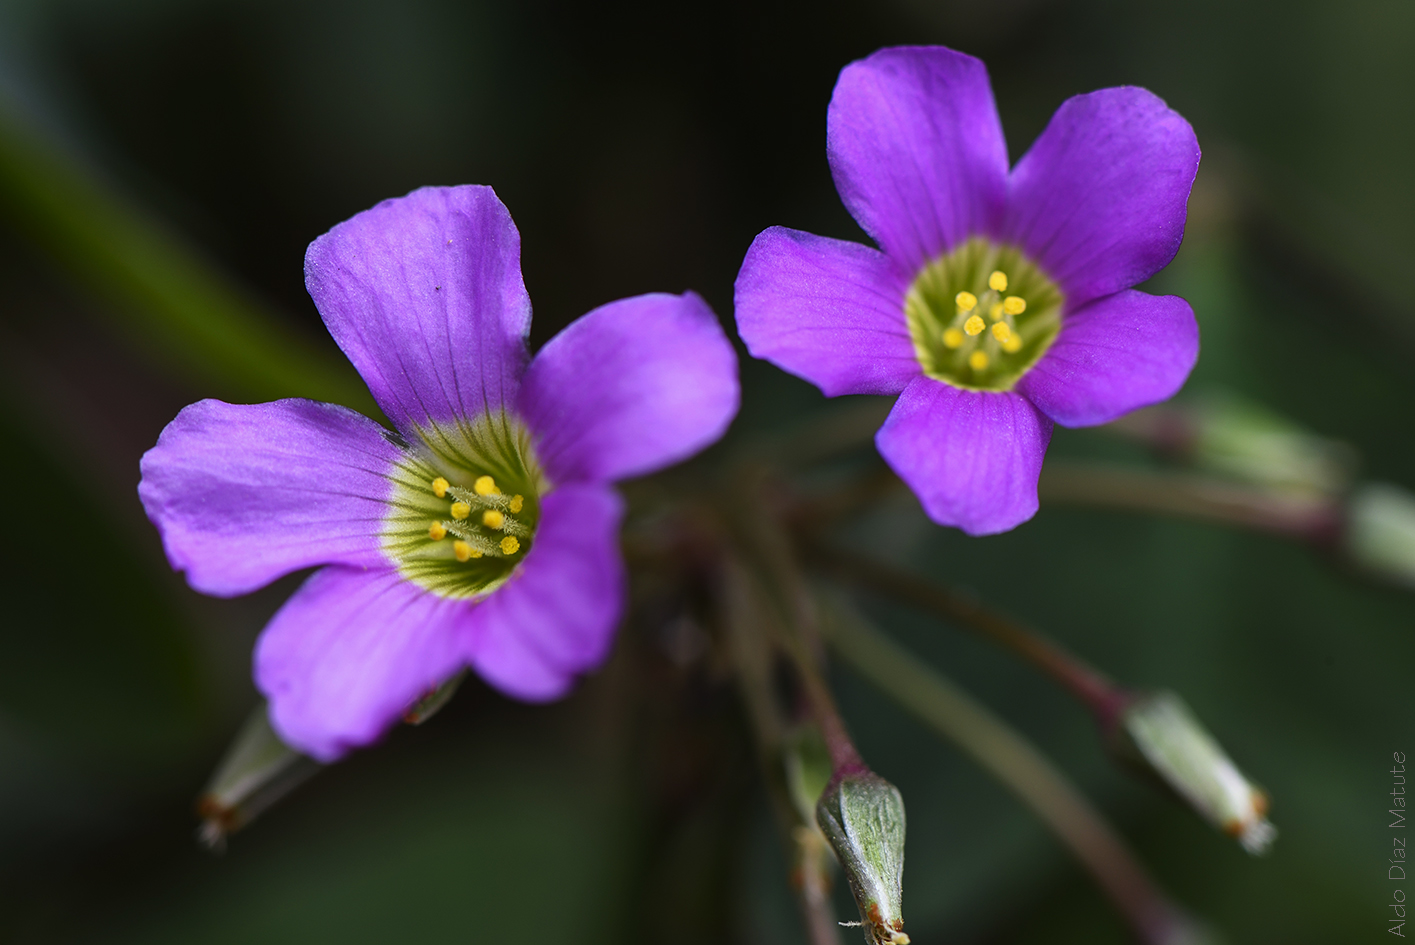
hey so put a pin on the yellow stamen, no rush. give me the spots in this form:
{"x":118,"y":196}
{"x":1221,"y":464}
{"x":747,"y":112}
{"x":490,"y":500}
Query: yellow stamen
{"x":437,"y":531}
{"x":463,"y":550}
{"x":953,"y":337}
{"x":510,"y":545}
{"x":1014,"y":305}
{"x":1001,"y":332}
{"x":461,"y":510}
{"x":974,"y":325}
{"x":978,"y":361}
{"x":995,"y":311}
{"x":517,"y":502}
{"x":485,"y":485}
{"x":998,"y":281}
{"x":492,"y":518}
{"x":439,"y":487}
{"x":1013,"y":344}
{"x":966,"y":301}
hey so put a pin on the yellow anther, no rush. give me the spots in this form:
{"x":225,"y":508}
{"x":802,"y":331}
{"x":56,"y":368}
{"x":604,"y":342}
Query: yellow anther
{"x":1001,"y":332}
{"x":510,"y":545}
{"x":978,"y":361}
{"x":439,"y":487}
{"x":974,"y":325}
{"x":485,"y":485}
{"x":1014,"y":305}
{"x":461,"y":510}
{"x":998,"y":281}
{"x":463,"y":550}
{"x":1013,"y":344}
{"x":966,"y":301}
{"x":517,"y":502}
{"x":996,"y":311}
{"x":492,"y":518}
{"x":952,"y":337}
{"x":437,"y":531}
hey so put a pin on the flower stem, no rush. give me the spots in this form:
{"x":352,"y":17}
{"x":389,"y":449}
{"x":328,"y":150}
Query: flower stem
{"x":1103,"y":697}
{"x":1314,"y":519}
{"x":1019,"y":766}
{"x":770,"y":548}
{"x":743,"y":615}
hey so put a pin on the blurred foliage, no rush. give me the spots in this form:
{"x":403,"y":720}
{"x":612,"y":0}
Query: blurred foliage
{"x":640,"y":147}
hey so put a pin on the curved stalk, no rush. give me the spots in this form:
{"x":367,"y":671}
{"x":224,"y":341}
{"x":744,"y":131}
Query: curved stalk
{"x":1022,"y":769}
{"x":1092,"y":687}
{"x":1313,"y":519}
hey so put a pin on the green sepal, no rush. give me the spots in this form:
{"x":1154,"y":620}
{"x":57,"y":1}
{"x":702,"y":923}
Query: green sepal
{"x":432,"y":703}
{"x":1159,"y":735}
{"x":257,"y":770}
{"x":1380,"y":531}
{"x":862,"y":815}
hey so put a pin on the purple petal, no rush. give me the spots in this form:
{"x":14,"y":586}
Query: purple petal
{"x":917,"y":151}
{"x":1119,"y":353}
{"x":971,"y":457}
{"x":424,"y":294}
{"x":351,"y":651}
{"x":631,"y":387}
{"x":829,"y":311}
{"x":556,"y":617}
{"x":245,"y":494}
{"x":1100,"y":198}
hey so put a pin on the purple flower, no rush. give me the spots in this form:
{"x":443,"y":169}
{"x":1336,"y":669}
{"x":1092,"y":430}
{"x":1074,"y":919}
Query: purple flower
{"x":998,"y":302}
{"x":484,"y":532}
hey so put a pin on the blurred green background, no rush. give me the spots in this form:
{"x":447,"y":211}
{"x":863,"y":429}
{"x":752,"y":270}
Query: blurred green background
{"x":640,"y":147}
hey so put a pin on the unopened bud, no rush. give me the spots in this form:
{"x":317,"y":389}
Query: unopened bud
{"x":1235,"y":437}
{"x":862,"y":815}
{"x":1250,"y":442}
{"x":1158,"y":732}
{"x":1380,"y":531}
{"x":257,"y":771}
{"x":432,"y":701}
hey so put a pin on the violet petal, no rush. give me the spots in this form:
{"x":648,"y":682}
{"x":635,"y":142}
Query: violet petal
{"x":244,"y":494}
{"x":351,"y":651}
{"x":972,"y":457}
{"x":830,"y":311}
{"x":916,"y":148}
{"x":1119,"y":353}
{"x":1099,"y":200}
{"x":555,"y":618}
{"x":424,"y":294}
{"x":629,"y":388}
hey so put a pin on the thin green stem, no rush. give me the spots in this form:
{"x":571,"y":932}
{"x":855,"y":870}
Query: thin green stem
{"x":1317,"y":520}
{"x":1092,"y":687}
{"x":770,"y":548}
{"x":1020,"y":767}
{"x":743,"y":614}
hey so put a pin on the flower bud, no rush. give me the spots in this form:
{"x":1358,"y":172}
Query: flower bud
{"x":862,"y":815}
{"x":1249,"y":442}
{"x":257,"y":771}
{"x":1243,"y":440}
{"x":1380,"y":531}
{"x":432,"y":702}
{"x":1159,"y":733}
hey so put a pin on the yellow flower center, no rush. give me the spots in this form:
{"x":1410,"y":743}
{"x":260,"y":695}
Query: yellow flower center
{"x":476,"y":483}
{"x":982,"y":315}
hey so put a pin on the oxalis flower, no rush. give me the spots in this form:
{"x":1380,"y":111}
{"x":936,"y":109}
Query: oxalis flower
{"x":999,"y":302}
{"x":484,"y":531}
